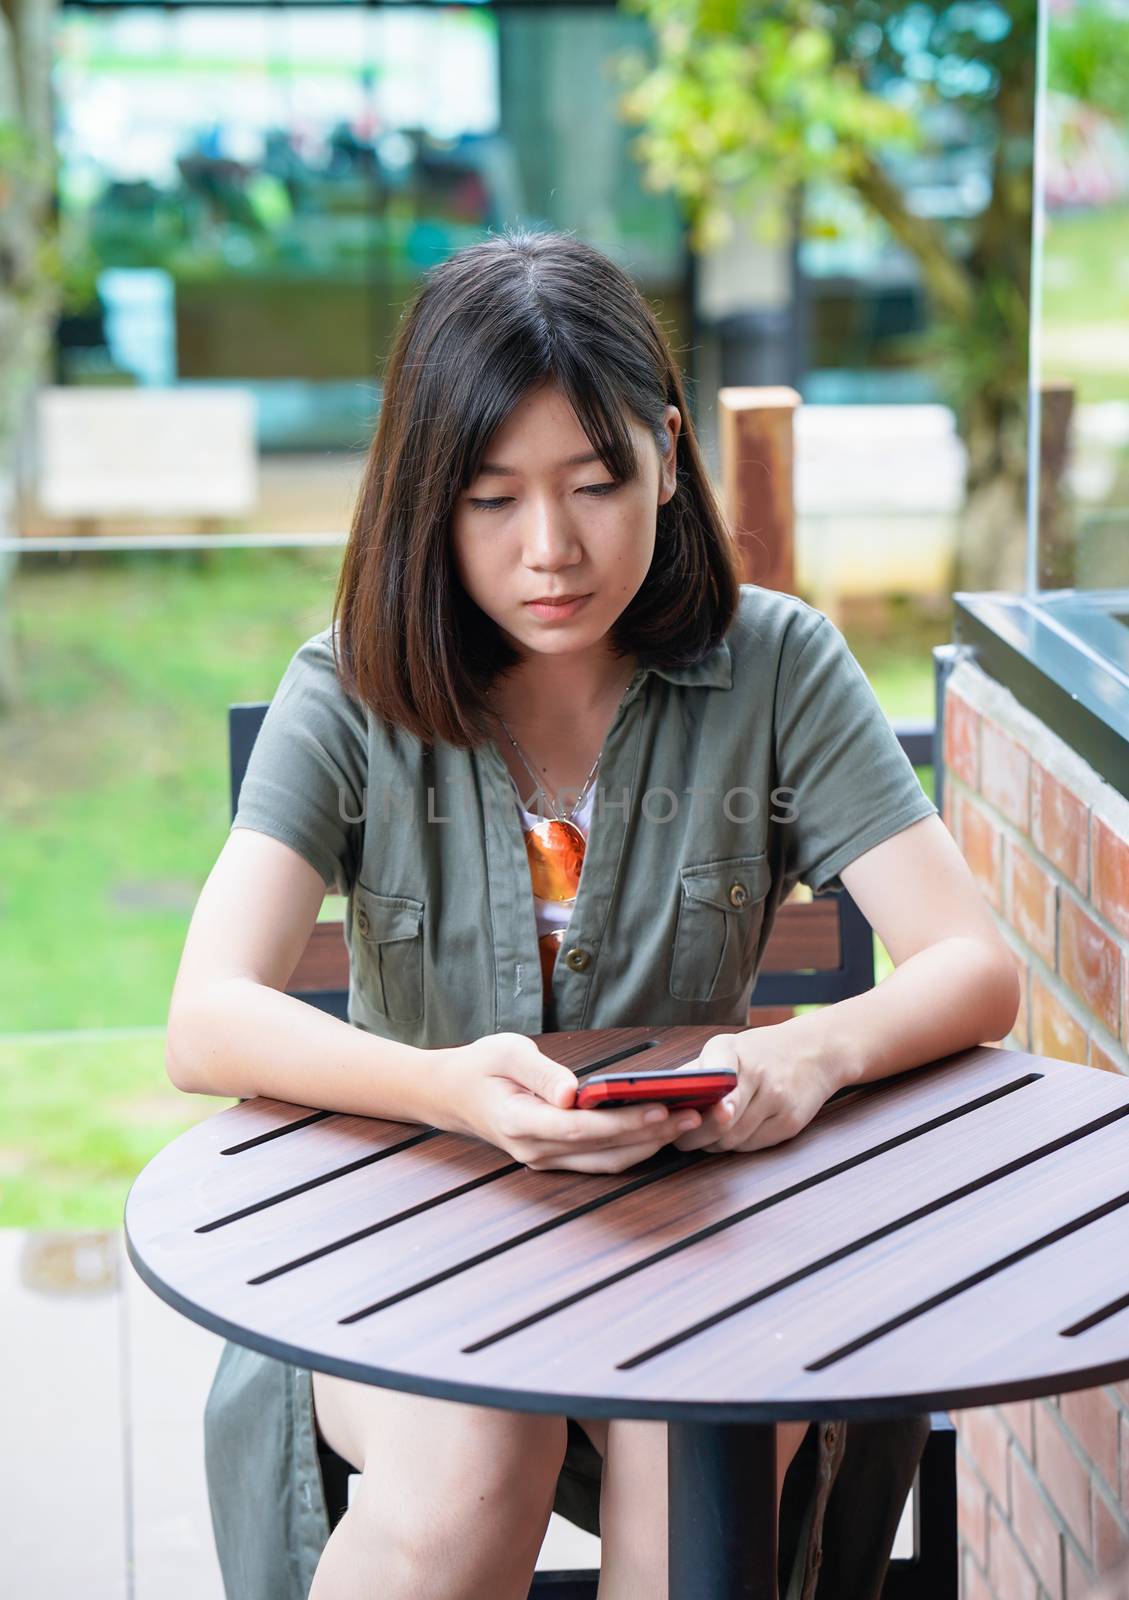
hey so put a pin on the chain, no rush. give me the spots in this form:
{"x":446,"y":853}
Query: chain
{"x":575,"y":807}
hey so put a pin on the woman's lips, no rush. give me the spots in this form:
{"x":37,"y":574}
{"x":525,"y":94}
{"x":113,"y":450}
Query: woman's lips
{"x":540,"y":608}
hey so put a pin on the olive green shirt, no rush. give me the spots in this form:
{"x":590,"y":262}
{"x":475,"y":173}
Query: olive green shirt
{"x":721,"y":785}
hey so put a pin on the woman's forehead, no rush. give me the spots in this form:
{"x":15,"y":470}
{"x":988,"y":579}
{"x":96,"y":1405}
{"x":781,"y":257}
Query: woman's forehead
{"x":544,"y":430}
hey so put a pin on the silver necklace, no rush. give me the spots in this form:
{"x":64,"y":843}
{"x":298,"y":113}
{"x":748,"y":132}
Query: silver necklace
{"x":567,"y":816}
{"x":561,"y":816}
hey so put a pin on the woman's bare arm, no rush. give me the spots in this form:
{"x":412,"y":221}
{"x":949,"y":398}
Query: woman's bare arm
{"x":231,"y":1031}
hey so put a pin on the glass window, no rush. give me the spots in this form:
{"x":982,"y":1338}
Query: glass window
{"x":1079,"y":533}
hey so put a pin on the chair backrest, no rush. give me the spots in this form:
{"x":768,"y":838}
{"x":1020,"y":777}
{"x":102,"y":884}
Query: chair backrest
{"x":821,"y":948}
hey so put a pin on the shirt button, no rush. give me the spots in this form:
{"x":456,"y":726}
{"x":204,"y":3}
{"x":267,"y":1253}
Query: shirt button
{"x":362,"y":921}
{"x":829,"y":1435}
{"x":738,"y":894}
{"x":577,"y":959}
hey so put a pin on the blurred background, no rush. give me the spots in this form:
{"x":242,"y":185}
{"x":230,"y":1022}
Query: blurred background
{"x":211,"y":219}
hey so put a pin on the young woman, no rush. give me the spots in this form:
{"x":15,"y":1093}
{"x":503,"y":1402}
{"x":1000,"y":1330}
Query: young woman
{"x":566,"y":767}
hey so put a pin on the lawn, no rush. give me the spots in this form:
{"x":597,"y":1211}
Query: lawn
{"x":113,"y":806}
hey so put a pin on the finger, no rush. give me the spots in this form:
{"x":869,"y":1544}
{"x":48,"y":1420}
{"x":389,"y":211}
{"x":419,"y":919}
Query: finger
{"x":594,"y":1138}
{"x":612,"y":1160}
{"x":773,"y":1130}
{"x":715,"y":1122}
{"x":533,"y":1119}
{"x":525,"y":1065}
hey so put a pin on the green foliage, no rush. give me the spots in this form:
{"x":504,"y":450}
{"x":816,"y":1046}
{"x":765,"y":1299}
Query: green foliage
{"x":748,"y":105}
{"x":1088,"y":56}
{"x":744,"y":102}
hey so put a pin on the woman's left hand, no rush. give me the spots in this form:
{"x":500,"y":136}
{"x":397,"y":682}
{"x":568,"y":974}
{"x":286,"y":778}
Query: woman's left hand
{"x":781,"y":1083}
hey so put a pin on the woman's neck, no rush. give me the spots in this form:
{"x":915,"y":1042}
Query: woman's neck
{"x":559,"y":695}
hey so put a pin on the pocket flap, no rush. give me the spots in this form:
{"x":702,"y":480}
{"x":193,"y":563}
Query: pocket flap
{"x":380,"y":917}
{"x":731,"y":885}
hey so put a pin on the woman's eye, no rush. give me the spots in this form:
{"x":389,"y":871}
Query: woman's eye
{"x":496,"y":504}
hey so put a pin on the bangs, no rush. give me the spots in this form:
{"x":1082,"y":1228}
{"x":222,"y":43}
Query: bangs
{"x":491,"y":388}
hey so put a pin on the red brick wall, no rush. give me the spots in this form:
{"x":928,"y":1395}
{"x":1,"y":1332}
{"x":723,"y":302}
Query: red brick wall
{"x":1043,"y":1485}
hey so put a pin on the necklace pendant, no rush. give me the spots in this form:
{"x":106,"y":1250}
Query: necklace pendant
{"x":555,"y":850}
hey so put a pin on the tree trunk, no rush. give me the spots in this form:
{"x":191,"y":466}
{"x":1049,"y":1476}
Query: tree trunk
{"x":993,"y":404}
{"x":991,"y":537}
{"x":28,"y":282}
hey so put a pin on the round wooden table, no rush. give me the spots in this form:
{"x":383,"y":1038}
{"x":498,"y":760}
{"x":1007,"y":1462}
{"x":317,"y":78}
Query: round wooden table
{"x":954,"y":1236}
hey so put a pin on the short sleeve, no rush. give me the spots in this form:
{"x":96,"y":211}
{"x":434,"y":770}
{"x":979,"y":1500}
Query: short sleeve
{"x":306,"y":777}
{"x":847,"y":783}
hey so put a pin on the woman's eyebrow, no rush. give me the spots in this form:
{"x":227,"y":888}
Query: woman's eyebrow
{"x":512,"y":472}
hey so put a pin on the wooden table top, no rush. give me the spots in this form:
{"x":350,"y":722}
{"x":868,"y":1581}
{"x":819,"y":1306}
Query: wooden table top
{"x":954,"y":1236}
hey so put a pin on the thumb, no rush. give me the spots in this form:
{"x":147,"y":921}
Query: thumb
{"x":549,"y":1079}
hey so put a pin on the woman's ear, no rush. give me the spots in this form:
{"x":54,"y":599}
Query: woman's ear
{"x":668,"y":467}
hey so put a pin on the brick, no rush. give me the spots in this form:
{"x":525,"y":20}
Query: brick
{"x":1125,"y":998}
{"x":1017,"y":1415}
{"x":982,"y":845}
{"x":1060,"y":826}
{"x":1054,"y":1031}
{"x":1063,"y":1476}
{"x":1101,"y":1057}
{"x":972,"y":1509}
{"x":973,"y":1584}
{"x":1036,"y":1526}
{"x":985,"y":1438}
{"x":1110,"y":892}
{"x":1124,"y":1458}
{"x":1080,"y":1576}
{"x":962,"y":738}
{"x":1089,"y":961}
{"x":1008,"y":1572}
{"x":1111,"y":1537}
{"x":1030,"y":899}
{"x":1092,"y":1418}
{"x":1005,"y":773}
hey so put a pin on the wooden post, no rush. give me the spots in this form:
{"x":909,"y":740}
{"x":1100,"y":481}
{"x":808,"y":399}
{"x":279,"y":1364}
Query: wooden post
{"x":1056,"y":533}
{"x":755,"y":438}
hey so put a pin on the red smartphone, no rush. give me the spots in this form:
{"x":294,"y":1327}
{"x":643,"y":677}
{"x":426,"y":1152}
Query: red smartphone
{"x":696,"y":1090}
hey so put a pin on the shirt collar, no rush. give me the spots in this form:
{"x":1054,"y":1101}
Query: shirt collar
{"x":713,"y":671}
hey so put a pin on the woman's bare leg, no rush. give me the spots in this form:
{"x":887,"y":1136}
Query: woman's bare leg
{"x":633,"y":1502}
{"x":453,"y":1500}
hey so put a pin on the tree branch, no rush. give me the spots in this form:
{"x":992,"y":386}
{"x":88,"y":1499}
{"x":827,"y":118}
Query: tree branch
{"x":946,"y":282}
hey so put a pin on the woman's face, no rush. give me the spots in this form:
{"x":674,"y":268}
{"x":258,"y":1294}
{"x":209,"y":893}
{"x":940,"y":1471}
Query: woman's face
{"x":535,"y":522}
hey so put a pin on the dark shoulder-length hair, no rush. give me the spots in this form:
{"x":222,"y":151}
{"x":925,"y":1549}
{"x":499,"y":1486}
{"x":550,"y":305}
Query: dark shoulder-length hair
{"x":489,"y":323}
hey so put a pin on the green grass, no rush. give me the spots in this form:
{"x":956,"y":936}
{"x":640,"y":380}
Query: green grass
{"x":81,"y":1116}
{"x":113,"y":770}
{"x":113,"y":807}
{"x":1082,"y":253}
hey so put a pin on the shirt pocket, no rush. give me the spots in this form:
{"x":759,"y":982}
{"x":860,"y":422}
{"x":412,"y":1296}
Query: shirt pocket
{"x":720,"y":912}
{"x":388,"y":951}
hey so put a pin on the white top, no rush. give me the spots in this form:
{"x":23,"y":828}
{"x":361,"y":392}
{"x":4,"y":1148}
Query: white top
{"x":553,"y":913}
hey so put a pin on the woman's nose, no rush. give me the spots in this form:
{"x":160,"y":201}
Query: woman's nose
{"x":549,"y":535}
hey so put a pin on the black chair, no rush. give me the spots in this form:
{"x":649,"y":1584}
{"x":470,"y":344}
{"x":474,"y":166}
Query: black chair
{"x":820,"y":951}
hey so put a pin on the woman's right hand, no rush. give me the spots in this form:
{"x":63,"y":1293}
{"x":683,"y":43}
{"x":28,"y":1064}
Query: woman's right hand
{"x":505,"y":1090}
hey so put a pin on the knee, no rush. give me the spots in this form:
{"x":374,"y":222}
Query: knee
{"x":485,"y":1503}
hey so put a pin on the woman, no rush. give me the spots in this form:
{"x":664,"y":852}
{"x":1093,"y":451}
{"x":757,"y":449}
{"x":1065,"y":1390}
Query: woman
{"x":540,"y":649}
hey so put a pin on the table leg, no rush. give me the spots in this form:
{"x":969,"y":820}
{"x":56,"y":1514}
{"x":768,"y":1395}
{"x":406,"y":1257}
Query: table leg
{"x":721,"y":1489}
